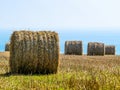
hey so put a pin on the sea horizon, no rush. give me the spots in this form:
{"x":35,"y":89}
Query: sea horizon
{"x":85,"y":35}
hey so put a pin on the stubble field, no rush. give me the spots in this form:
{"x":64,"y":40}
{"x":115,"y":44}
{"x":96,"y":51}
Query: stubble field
{"x":75,"y":73}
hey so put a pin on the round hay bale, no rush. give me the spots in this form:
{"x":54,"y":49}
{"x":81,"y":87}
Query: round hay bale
{"x":7,"y":47}
{"x":109,"y":50}
{"x":34,"y":52}
{"x":95,"y":48}
{"x":73,"y":47}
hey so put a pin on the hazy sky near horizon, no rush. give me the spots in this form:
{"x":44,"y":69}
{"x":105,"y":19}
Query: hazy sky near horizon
{"x":86,"y":20}
{"x":59,"y":14}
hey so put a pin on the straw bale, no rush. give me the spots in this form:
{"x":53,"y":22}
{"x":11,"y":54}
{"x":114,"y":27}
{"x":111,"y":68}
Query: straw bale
{"x":7,"y":46}
{"x":34,"y":52}
{"x":73,"y":47}
{"x":95,"y":48}
{"x":109,"y":50}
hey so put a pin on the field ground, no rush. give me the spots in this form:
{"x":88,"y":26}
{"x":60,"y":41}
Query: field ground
{"x":75,"y":73}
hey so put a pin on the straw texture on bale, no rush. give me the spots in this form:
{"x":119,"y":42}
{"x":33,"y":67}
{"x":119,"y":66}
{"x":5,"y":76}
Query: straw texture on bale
{"x":7,"y":47}
{"x":73,"y":48}
{"x":95,"y":48}
{"x":34,"y":52}
{"x":109,"y":50}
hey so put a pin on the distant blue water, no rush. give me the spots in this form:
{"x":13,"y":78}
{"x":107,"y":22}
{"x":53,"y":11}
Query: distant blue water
{"x":108,"y":37}
{"x":4,"y":38}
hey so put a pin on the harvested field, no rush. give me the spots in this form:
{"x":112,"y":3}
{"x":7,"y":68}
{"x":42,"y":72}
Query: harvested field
{"x":4,"y":62}
{"x":75,"y":73}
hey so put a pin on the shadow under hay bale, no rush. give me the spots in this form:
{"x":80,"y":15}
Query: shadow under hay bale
{"x":34,"y":52}
{"x":73,"y":48}
{"x":95,"y":48}
{"x":109,"y":50}
{"x":7,"y":47}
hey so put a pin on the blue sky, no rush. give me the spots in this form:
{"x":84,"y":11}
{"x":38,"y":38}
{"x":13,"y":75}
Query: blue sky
{"x":54,"y":14}
{"x":87,"y":20}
